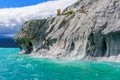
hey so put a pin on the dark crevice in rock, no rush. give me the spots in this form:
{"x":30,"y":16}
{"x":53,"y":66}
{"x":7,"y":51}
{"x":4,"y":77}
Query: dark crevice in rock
{"x":52,"y":20}
{"x":65,"y":43}
{"x":30,"y":44}
{"x":29,"y":48}
{"x":41,"y":26}
{"x":104,"y":47}
{"x":72,"y":46}
{"x":46,"y":45}
{"x":90,"y":45}
{"x":50,"y":42}
{"x":62,"y":24}
{"x":51,"y":29}
{"x":63,"y":31}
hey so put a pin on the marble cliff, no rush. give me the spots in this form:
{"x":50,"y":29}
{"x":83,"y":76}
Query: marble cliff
{"x":91,"y":32}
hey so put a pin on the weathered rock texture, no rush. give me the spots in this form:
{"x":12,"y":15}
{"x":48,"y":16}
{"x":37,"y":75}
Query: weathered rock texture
{"x":92,"y":32}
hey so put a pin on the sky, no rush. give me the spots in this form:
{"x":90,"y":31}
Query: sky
{"x":13,"y":13}
{"x":19,"y":3}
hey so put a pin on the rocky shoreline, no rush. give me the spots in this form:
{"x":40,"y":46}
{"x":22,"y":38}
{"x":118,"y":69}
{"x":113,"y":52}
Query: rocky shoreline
{"x":91,"y":32}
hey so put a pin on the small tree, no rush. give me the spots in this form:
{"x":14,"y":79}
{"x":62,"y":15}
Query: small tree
{"x":58,"y":12}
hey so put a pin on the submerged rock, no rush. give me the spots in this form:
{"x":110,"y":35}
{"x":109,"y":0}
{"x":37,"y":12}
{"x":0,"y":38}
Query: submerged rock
{"x":91,"y":32}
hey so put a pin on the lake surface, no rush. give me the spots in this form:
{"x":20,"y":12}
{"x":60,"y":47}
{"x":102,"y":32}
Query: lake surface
{"x":14,"y":66}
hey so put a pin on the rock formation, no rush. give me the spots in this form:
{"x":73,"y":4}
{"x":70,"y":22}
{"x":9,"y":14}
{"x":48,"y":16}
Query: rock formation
{"x":91,"y":32}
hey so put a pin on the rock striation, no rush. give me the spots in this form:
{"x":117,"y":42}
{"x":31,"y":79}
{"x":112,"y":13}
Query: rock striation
{"x":91,"y":32}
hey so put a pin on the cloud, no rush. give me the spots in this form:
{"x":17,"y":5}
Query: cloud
{"x":12,"y":18}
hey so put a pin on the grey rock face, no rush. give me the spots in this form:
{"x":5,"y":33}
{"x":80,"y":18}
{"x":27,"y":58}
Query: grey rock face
{"x":92,"y":32}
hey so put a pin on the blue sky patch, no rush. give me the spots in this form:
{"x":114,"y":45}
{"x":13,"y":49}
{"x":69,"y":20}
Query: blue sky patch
{"x":19,"y":3}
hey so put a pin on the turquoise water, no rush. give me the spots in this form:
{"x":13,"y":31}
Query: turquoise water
{"x":20,"y":67}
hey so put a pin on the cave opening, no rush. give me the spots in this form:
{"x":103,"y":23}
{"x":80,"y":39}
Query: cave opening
{"x":30,"y":44}
{"x":104,"y":47}
{"x":30,"y":47}
{"x":72,"y":46}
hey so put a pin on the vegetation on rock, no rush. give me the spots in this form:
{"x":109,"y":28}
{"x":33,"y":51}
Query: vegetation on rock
{"x":68,"y":12}
{"x":58,"y":12}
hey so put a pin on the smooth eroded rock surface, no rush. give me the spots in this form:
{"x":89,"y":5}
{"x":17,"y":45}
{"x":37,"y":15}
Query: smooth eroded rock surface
{"x":91,"y":32}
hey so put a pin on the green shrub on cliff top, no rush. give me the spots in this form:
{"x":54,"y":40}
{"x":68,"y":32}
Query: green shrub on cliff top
{"x":68,"y":12}
{"x":58,"y":12}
